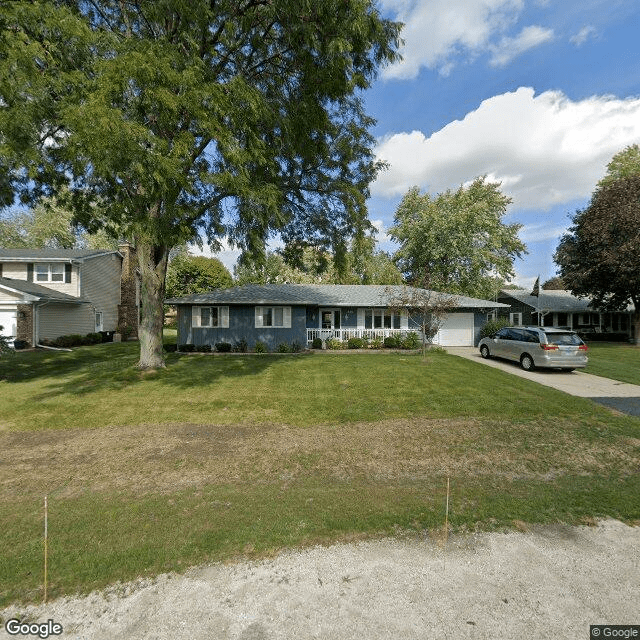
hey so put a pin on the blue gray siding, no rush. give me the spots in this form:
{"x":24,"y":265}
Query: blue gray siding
{"x":242,"y":326}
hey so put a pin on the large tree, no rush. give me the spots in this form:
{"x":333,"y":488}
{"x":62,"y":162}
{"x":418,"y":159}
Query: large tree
{"x":456,"y":241}
{"x":231,"y":118}
{"x":599,"y":256}
{"x":187,"y":274}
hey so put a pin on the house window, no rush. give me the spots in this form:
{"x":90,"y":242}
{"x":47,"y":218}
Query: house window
{"x":210,"y":317}
{"x":275,"y":317}
{"x":515,"y":319}
{"x":381,"y":319}
{"x":49,"y":272}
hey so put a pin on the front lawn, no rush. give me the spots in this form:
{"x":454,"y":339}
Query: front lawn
{"x":222,"y":456}
{"x":614,"y":360}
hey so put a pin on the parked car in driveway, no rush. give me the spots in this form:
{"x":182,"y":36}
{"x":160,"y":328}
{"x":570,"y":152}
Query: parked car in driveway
{"x":537,"y":347}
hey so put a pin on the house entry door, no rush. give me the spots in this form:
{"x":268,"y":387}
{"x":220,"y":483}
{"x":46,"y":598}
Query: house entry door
{"x":330,"y":321}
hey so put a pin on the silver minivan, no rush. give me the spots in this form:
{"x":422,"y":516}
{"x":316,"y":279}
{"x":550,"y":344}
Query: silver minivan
{"x":537,"y":347}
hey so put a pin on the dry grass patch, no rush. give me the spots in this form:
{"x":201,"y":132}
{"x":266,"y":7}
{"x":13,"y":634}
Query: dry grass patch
{"x":165,"y":458}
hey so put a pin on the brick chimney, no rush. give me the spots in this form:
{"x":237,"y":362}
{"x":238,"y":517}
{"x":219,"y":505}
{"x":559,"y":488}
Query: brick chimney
{"x":129,"y":307}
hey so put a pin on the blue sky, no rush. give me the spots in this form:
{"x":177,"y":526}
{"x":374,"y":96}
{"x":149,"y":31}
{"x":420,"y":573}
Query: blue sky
{"x":536,"y":94}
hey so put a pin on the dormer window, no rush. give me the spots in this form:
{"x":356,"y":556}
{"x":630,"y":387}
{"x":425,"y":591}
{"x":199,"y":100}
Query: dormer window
{"x":49,"y":272}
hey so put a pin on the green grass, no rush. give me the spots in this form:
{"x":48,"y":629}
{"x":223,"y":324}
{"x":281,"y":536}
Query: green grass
{"x":615,"y":361}
{"x":219,"y":457}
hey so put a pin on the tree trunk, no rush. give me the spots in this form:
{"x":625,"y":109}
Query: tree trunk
{"x":636,"y":326}
{"x":152,"y":261}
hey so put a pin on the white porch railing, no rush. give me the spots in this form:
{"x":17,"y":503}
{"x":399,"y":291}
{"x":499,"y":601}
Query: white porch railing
{"x":345,"y":334}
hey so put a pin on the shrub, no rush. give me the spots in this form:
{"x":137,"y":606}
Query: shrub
{"x":170,"y":348}
{"x":377,"y":343}
{"x":493,"y":326}
{"x":187,"y":348}
{"x":240,"y":346}
{"x":19,"y":344}
{"x":223,"y":347}
{"x":283,"y":347}
{"x":93,"y":338}
{"x":317,"y":343}
{"x":296,"y":347}
{"x":335,"y":344}
{"x":260,"y":347}
{"x":393,"y":342}
{"x":355,"y":343}
{"x":411,"y":341}
{"x":204,"y":348}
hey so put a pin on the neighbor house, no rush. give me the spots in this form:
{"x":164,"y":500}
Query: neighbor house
{"x":560,"y":308}
{"x":288,"y":313}
{"x":46,"y":293}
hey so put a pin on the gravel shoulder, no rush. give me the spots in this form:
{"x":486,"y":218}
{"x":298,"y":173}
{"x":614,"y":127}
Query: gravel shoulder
{"x":546,"y":583}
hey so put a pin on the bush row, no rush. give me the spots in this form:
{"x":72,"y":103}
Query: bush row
{"x":238,"y":347}
{"x":72,"y":340}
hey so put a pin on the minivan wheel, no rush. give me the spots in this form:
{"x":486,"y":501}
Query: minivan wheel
{"x":484,"y":351}
{"x":527,"y":362}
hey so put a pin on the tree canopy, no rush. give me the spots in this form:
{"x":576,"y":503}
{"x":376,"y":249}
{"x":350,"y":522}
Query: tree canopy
{"x":599,"y":255}
{"x":48,"y":226}
{"x":233,"y":118}
{"x":456,"y":241}
{"x":624,"y":164}
{"x":187,"y":274}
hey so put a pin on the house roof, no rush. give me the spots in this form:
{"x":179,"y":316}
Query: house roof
{"x":51,"y":255}
{"x":552,"y":300}
{"x":37,"y":292}
{"x":330,"y":295}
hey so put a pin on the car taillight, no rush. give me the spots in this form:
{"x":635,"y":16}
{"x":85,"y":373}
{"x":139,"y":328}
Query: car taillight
{"x":582,"y":347}
{"x":549,"y":347}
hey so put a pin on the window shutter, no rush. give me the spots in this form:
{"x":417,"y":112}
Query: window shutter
{"x":195,"y":316}
{"x":224,"y":317}
{"x":360,"y":321}
{"x":67,"y":273}
{"x":286,"y":317}
{"x":30,"y":272}
{"x":258,"y":317}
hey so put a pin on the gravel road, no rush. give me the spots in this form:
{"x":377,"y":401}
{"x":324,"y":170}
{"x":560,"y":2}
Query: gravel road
{"x":544,"y":583}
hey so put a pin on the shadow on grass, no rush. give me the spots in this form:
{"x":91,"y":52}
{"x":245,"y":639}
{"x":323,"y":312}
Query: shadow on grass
{"x":113,"y":367}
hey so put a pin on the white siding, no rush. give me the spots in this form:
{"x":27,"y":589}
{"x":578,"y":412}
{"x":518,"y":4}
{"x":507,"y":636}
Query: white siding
{"x":17,"y":271}
{"x":8,"y":296}
{"x":100,"y":280}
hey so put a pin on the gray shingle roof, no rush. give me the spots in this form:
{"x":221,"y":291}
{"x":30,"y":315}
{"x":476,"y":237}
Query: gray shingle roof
{"x":552,"y":300}
{"x":333,"y":295}
{"x":37,"y":290}
{"x":26,"y":255}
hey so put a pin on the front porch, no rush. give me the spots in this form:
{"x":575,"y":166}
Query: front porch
{"x":345,"y":334}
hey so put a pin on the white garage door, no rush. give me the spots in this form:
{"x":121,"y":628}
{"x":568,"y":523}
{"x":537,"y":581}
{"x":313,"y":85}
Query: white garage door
{"x":456,"y":331}
{"x":8,"y":322}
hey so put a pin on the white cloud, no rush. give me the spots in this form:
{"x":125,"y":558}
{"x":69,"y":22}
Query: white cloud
{"x":583,"y":35}
{"x":545,"y":149}
{"x":436,"y":31}
{"x":509,"y":48}
{"x":541,"y":233}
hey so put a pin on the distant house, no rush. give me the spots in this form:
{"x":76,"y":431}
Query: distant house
{"x":46,"y":293}
{"x":559,"y":308}
{"x":289,"y":313}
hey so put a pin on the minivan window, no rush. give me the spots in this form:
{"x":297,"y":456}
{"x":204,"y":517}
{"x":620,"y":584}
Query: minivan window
{"x":570,"y":339}
{"x":531,"y":336}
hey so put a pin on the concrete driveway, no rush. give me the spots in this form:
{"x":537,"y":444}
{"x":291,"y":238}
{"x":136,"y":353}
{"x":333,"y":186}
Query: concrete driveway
{"x":614,"y":394}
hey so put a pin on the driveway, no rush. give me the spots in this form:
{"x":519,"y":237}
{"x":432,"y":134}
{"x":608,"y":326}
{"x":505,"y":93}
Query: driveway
{"x":614,"y":394}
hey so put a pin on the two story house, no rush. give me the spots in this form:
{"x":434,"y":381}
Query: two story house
{"x":46,"y":293}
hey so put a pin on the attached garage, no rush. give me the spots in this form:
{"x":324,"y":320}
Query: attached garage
{"x":8,"y":321}
{"x":457,"y":330}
